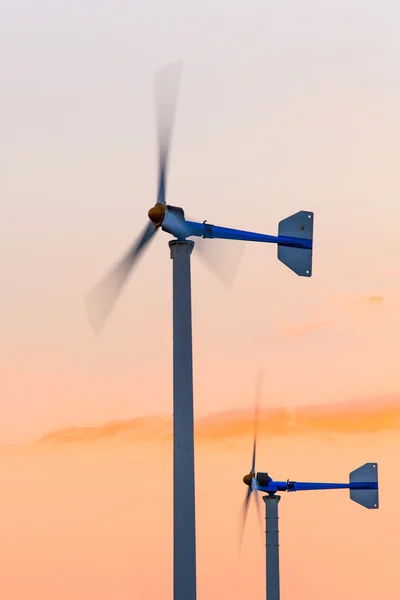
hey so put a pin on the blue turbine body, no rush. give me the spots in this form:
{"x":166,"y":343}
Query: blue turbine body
{"x":294,"y":239}
{"x":363,"y":485}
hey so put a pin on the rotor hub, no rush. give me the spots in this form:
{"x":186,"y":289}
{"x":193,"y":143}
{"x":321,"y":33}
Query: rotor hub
{"x":247,"y":479}
{"x":156,"y":214}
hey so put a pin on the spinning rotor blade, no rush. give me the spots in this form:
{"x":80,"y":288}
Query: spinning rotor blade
{"x":103,"y":296}
{"x":221,"y":258}
{"x":244,"y":516}
{"x":245,"y":509}
{"x":101,"y":299}
{"x":259,"y":386}
{"x":166,"y":91}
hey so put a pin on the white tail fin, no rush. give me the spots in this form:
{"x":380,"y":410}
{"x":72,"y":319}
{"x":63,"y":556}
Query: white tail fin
{"x":300,"y":225}
{"x":368,"y":473}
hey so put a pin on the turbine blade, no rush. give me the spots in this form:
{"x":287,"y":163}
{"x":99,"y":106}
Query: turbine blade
{"x":166,"y":91}
{"x":259,"y":388}
{"x":243,"y":517}
{"x":221,"y":258}
{"x":101,"y":299}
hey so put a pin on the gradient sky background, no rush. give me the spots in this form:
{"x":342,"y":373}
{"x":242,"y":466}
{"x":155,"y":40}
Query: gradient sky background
{"x":283,"y":106}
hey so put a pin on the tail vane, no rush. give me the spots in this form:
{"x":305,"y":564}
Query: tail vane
{"x":300,"y":225}
{"x":369,"y":498}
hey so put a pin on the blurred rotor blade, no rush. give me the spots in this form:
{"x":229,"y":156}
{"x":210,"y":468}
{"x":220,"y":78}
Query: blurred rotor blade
{"x":259,"y":388}
{"x":166,"y":91}
{"x":221,"y":257}
{"x":244,"y":516}
{"x":101,"y":299}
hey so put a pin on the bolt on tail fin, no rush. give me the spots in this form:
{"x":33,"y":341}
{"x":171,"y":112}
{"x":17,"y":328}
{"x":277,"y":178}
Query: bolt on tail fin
{"x":368,"y":473}
{"x":300,"y":225}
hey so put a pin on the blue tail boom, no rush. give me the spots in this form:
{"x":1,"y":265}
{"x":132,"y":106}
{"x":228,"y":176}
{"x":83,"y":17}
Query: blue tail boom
{"x":363,"y":485}
{"x":294,"y":239}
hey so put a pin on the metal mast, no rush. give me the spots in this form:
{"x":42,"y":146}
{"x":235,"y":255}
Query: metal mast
{"x":272,"y":546}
{"x":184,"y":479}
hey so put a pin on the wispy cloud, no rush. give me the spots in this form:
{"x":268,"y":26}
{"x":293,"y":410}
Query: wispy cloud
{"x":375,"y":300}
{"x":135,"y":429}
{"x":366,"y":416}
{"x":301,"y":330}
{"x":345,"y":302}
{"x":328,"y":317}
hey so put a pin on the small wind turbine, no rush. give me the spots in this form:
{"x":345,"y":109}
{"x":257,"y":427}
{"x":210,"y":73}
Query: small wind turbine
{"x":363,"y":486}
{"x":294,"y":241}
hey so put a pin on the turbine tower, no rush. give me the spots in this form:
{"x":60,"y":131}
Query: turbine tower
{"x":363,"y":487}
{"x":294,"y":242}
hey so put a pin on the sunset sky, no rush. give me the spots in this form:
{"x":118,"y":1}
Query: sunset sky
{"x":282,"y":107}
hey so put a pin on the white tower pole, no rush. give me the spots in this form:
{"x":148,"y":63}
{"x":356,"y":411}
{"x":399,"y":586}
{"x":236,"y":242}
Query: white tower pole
{"x":272,"y":546}
{"x":184,"y":480}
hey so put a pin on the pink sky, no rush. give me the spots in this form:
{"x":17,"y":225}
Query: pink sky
{"x":273,"y":117}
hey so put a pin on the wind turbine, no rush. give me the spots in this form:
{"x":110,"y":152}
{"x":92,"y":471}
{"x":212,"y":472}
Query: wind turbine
{"x":294,"y":242}
{"x":363,"y":487}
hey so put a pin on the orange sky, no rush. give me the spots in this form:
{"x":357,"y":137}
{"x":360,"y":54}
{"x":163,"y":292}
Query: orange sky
{"x":94,"y":518}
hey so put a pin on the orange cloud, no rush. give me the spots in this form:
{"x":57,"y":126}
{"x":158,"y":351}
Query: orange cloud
{"x":137,"y":429}
{"x":375,"y":299}
{"x":365,"y":301}
{"x":380,"y":414}
{"x":342,"y":299}
{"x":301,"y":330}
{"x":297,"y":331}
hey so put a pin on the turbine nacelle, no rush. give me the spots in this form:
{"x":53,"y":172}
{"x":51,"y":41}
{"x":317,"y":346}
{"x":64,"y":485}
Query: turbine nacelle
{"x":170,"y":218}
{"x":262,"y":479}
